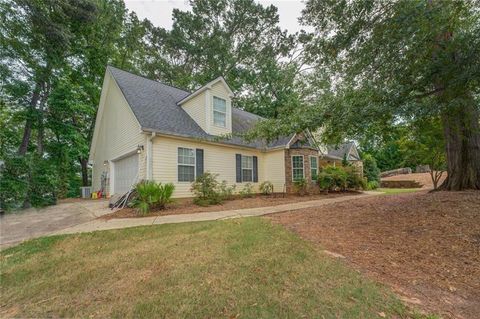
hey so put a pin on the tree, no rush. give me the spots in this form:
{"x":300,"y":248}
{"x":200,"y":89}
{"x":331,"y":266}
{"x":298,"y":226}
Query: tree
{"x":385,"y":149}
{"x":394,"y":62}
{"x":53,"y":56}
{"x":35,"y":41}
{"x":239,"y":40}
{"x":424,"y":145}
{"x":370,"y":169}
{"x":407,"y":60}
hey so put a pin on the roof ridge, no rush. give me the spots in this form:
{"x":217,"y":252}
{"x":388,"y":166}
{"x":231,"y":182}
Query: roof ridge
{"x":144,"y":77}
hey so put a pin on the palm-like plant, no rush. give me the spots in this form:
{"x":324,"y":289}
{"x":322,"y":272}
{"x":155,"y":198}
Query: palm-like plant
{"x":150,"y":194}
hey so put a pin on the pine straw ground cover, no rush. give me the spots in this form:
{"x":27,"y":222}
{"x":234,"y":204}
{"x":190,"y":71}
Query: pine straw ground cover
{"x":186,"y":205}
{"x":426,"y":246}
{"x":245,"y":268}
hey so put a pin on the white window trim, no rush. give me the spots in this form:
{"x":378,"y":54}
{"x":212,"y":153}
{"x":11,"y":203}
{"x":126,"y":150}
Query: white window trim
{"x":213,"y":111}
{"x":194,"y":164}
{"x":310,"y":158}
{"x":241,"y":167}
{"x":303,"y":165}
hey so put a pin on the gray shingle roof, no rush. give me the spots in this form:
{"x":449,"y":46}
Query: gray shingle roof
{"x":339,"y":151}
{"x":155,"y":107}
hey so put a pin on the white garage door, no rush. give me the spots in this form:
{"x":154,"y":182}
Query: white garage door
{"x":126,"y":174}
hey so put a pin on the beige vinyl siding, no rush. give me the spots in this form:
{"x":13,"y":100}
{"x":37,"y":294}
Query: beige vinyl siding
{"x":219,"y":90}
{"x":274,"y":169}
{"x":217,"y":159}
{"x":196,"y":109}
{"x":119,"y":133}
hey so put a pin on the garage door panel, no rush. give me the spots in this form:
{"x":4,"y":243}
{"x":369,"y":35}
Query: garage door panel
{"x":126,"y":173}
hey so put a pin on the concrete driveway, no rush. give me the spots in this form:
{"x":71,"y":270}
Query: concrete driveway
{"x":32,"y":223}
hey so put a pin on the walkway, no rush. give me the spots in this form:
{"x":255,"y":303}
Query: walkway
{"x":81,"y":217}
{"x":103,"y":224}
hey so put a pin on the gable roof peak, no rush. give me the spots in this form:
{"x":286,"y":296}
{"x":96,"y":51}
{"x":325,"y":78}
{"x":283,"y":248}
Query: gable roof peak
{"x":208,"y":86}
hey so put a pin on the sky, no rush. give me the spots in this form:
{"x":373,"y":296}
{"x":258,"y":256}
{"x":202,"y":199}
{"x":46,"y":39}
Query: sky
{"x":159,"y":12}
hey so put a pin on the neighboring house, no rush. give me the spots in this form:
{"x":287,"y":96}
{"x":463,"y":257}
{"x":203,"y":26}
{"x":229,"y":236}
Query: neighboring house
{"x":148,"y":130}
{"x":336,"y":153}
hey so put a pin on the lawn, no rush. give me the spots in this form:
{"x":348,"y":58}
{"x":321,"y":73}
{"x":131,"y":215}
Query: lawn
{"x":393,"y":191}
{"x":246,"y":268}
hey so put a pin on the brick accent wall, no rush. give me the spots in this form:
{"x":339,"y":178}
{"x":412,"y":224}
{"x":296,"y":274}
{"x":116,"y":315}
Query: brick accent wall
{"x":312,"y":186}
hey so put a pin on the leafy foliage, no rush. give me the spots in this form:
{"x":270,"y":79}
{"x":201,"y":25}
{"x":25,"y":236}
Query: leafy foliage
{"x":151,"y":195}
{"x":332,"y":178}
{"x":266,"y":188}
{"x":370,"y":168}
{"x":355,"y":180}
{"x":247,"y":191}
{"x":300,"y":186}
{"x":205,"y":188}
{"x":424,"y":145}
{"x":372,"y":185}
{"x":226,"y":192}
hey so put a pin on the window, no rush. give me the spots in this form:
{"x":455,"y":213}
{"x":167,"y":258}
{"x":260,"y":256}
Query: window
{"x":247,"y":168}
{"x":297,"y":167}
{"x":219,"y":112}
{"x":313,"y":167}
{"x":186,"y":164}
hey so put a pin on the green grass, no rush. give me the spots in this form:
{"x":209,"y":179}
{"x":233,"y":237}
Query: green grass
{"x":393,"y":191}
{"x":247,"y":268}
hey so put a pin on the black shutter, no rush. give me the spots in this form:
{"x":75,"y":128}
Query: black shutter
{"x":199,"y":161}
{"x":238,"y":161}
{"x":255,"y":169}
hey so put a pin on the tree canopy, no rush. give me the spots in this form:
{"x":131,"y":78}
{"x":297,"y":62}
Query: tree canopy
{"x":367,"y":70}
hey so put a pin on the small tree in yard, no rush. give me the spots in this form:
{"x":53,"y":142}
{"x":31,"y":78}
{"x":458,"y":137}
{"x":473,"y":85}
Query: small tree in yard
{"x":424,"y":145}
{"x":370,"y":168}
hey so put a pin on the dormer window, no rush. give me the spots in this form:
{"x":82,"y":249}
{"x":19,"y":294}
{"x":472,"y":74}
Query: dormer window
{"x":219,"y":112}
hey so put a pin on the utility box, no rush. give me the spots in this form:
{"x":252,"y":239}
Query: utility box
{"x":86,"y":191}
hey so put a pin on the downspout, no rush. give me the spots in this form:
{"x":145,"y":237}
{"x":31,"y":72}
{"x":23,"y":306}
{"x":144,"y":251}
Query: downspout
{"x":150,"y":156}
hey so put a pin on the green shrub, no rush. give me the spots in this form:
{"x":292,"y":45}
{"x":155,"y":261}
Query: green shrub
{"x":151,"y":195}
{"x":325,"y":181}
{"x":372,"y":185}
{"x":206,"y":190}
{"x":370,"y":168}
{"x":226,"y":192}
{"x":300,"y":186}
{"x":266,"y":188}
{"x":355,"y":179}
{"x":247,"y":190}
{"x":339,"y":176}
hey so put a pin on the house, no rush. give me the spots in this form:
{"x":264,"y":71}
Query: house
{"x":148,"y":130}
{"x":335,"y":154}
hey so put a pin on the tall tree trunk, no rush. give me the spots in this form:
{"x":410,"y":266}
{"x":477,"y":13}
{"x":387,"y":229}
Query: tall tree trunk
{"x":84,"y":165}
{"x":27,"y":131}
{"x":41,"y":126}
{"x":462,"y":143}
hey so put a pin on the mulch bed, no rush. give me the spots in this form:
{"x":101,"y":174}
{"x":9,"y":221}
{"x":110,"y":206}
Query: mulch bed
{"x":186,"y":205}
{"x":426,"y":246}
